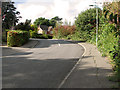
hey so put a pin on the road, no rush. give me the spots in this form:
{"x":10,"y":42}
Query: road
{"x":44,"y":66}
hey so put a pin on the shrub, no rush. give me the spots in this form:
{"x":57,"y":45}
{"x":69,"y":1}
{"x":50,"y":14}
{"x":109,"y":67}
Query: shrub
{"x":17,"y":37}
{"x":86,"y":22}
{"x":63,"y":31}
{"x":50,"y":37}
{"x":107,"y":39}
{"x":26,"y":26}
{"x":33,"y":34}
{"x":108,"y":44}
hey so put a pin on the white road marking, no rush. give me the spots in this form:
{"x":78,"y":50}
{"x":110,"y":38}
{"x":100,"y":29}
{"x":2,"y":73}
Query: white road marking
{"x":61,"y":84}
{"x":59,"y":44}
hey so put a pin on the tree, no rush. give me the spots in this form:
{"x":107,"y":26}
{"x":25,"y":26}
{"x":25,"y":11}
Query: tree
{"x":41,"y":21}
{"x":51,"y":22}
{"x":85,"y":22}
{"x":9,"y":15}
{"x":55,"y":20}
{"x":24,"y":26}
{"x":112,"y":12}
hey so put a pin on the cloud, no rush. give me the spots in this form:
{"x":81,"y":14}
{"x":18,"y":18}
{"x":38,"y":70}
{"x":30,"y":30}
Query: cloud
{"x":66,"y":9}
{"x":31,"y":10}
{"x":61,"y":8}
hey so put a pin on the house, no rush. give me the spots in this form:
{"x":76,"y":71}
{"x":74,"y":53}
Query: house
{"x":45,"y":29}
{"x":50,"y":32}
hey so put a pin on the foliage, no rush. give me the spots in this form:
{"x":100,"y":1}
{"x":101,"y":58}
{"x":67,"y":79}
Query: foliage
{"x":85,"y":22}
{"x":107,"y":39}
{"x":25,"y":26}
{"x":9,"y":15}
{"x":63,"y":31}
{"x":33,"y":34}
{"x":17,"y":37}
{"x":76,"y":36}
{"x":41,"y":21}
{"x":55,"y":20}
{"x":47,"y":22}
{"x":112,"y":12}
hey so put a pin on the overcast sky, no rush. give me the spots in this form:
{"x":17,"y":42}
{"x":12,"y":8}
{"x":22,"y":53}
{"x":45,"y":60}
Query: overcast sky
{"x":66,"y":9}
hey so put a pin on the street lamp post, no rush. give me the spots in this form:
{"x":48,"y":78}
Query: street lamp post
{"x":96,"y":23}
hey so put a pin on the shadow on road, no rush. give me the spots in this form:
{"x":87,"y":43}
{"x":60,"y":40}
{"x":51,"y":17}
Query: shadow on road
{"x":45,"y":43}
{"x":24,"y":72}
{"x":21,"y":71}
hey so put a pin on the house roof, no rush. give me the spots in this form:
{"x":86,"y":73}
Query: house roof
{"x":44,"y":27}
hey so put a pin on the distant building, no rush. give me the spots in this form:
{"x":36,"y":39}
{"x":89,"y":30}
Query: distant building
{"x":45,"y":29}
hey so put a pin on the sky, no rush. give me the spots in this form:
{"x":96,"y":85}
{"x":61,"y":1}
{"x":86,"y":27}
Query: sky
{"x":66,"y":9}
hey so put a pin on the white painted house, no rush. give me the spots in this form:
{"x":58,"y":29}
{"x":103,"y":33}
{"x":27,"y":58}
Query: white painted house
{"x":46,"y":29}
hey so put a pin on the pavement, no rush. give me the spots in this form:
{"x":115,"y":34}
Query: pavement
{"x":91,"y":71}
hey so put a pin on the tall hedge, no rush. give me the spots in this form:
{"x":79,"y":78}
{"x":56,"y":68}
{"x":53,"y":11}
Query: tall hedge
{"x":86,"y":22}
{"x":17,"y":37}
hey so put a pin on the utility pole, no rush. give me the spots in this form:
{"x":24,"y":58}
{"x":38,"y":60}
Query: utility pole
{"x":96,"y":6}
{"x":96,"y":25}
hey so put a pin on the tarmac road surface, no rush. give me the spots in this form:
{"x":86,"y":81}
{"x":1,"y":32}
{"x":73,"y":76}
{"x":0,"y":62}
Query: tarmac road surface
{"x":44,"y":66}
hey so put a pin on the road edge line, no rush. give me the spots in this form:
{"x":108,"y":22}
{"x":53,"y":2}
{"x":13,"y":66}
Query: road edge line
{"x":61,"y":84}
{"x":84,"y":48}
{"x":35,"y":44}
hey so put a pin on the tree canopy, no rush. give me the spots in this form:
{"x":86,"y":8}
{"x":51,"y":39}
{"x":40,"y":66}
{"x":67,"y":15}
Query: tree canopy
{"x":112,"y":12}
{"x":86,"y":22}
{"x":41,"y":21}
{"x":25,"y":26}
{"x":44,"y":21}
{"x":9,"y":15}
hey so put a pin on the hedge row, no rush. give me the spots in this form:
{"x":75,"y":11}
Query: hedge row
{"x":17,"y":37}
{"x":34,"y":34}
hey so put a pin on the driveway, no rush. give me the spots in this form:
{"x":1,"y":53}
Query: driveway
{"x":44,"y":66}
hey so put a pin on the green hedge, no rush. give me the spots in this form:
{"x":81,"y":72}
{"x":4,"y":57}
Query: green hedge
{"x":107,"y":39}
{"x":17,"y":37}
{"x":33,"y":34}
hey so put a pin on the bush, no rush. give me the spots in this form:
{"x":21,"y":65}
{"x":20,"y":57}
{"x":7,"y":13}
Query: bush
{"x":26,"y":26}
{"x":86,"y":22}
{"x":108,"y":44}
{"x":17,"y":37}
{"x":107,"y":39}
{"x":63,"y":31}
{"x":33,"y":34}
